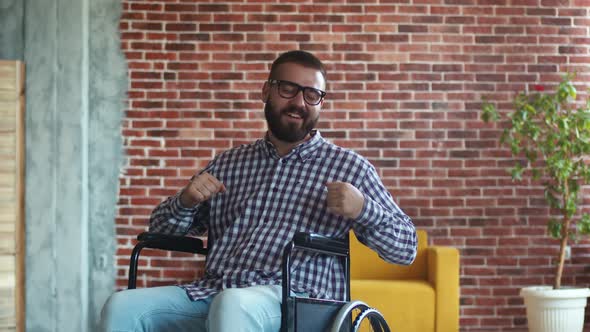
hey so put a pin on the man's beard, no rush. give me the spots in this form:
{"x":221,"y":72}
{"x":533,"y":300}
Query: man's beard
{"x":291,"y":132}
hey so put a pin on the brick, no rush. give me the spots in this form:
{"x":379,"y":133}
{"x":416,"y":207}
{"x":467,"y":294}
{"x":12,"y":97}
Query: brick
{"x":395,"y":19}
{"x":179,"y":47}
{"x":157,"y":36}
{"x":427,"y":19}
{"x":572,"y":50}
{"x":518,"y":20}
{"x":224,"y":8}
{"x":146,"y":46}
{"x":328,"y":18}
{"x":459,"y":20}
{"x":132,"y":16}
{"x":490,"y":39}
{"x":295,"y":37}
{"x":214,"y":27}
{"x":573,"y":31}
{"x":291,"y":8}
{"x":180,"y":8}
{"x":248,"y":27}
{"x":356,"y":19}
{"x":295,"y":18}
{"x":412,"y":29}
{"x":572,"y":12}
{"x":267,"y":18}
{"x":172,"y":17}
{"x":145,"y":7}
{"x":147,"y":26}
{"x":559,"y":21}
{"x":181,"y":27}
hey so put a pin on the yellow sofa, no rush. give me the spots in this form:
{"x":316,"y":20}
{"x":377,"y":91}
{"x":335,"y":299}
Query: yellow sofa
{"x":422,"y":297}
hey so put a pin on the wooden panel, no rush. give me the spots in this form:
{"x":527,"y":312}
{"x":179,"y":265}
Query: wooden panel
{"x":12,"y":196}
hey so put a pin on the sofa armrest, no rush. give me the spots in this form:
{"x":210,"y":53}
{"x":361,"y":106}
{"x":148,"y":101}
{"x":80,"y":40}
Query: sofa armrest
{"x":443,"y":275}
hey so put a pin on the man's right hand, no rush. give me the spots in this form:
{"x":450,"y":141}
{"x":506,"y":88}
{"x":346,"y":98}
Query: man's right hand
{"x":200,"y":188}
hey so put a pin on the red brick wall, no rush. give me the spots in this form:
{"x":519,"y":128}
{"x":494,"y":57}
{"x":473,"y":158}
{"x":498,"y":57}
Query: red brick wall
{"x":405,"y":82}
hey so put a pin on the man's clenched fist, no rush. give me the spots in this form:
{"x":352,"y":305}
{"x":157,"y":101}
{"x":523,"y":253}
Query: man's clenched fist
{"x":200,"y":188}
{"x":344,"y":199}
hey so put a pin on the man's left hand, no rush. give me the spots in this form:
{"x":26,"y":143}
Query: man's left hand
{"x":344,"y":199}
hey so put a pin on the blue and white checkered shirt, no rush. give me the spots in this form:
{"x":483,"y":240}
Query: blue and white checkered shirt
{"x":268,"y":199}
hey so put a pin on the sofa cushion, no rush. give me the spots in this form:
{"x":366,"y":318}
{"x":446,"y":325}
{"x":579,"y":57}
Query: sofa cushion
{"x":366,"y":264}
{"x":407,"y":305}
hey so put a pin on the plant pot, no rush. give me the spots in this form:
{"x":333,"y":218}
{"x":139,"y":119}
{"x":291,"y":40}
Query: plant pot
{"x":555,"y":310}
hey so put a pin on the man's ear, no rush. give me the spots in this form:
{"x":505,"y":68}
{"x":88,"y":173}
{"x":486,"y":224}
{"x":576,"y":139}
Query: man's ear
{"x":264,"y":94}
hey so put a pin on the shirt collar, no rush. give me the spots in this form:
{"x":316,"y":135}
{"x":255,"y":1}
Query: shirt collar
{"x":303,"y":151}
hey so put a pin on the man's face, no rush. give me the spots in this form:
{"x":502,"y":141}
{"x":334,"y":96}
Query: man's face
{"x":292,"y":119}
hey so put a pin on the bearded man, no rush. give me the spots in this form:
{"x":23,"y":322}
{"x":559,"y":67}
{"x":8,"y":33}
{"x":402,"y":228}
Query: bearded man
{"x":251,"y":200}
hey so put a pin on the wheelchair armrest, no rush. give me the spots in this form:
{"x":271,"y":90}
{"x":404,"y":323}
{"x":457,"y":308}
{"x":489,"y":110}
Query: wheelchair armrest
{"x":164,"y":242}
{"x":320,"y":243}
{"x":172,"y":242}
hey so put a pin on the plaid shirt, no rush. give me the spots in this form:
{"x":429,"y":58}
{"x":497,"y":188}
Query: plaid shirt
{"x":268,"y":199}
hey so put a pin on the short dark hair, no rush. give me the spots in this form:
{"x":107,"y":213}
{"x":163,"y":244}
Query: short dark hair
{"x":300,"y":57}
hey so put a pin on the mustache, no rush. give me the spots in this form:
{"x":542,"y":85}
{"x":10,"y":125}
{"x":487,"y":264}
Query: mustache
{"x":297,"y":110}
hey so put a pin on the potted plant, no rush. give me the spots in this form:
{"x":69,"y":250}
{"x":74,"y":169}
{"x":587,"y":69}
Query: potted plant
{"x":549,"y":135}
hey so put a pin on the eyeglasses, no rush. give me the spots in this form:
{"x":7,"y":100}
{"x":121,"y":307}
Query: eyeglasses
{"x":289,"y":90}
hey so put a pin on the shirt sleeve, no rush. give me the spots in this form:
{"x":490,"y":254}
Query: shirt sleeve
{"x":171,"y":217}
{"x":382,"y":225}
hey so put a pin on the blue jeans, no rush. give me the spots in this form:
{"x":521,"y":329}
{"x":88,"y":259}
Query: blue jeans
{"x":162,"y":309}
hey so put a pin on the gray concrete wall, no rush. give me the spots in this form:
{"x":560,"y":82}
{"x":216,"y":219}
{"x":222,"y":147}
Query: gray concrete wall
{"x":12,"y":32}
{"x":75,"y":91}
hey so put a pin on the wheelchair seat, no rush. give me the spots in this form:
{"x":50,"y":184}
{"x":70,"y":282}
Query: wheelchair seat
{"x":299,"y":314}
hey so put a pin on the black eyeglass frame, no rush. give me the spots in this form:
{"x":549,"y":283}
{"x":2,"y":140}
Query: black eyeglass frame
{"x":299,"y":88}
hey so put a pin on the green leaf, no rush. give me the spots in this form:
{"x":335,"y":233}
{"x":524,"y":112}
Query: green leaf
{"x":554,"y":228}
{"x":490,"y":113}
{"x":515,"y":146}
{"x":583,"y":224}
{"x":516,"y":172}
{"x":571,"y":91}
{"x":550,"y":197}
{"x":571,"y":206}
{"x":528,"y":109}
{"x":531,"y":155}
{"x":573,"y":236}
{"x":505,"y":136}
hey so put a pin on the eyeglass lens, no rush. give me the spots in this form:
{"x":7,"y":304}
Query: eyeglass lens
{"x":289,"y":90}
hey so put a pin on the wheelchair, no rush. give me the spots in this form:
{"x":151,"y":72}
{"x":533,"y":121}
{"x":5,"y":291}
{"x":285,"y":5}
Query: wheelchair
{"x":299,"y":314}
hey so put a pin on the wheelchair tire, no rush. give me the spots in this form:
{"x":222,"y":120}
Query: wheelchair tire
{"x":343,"y":320}
{"x":358,"y":316}
{"x":370,"y":318}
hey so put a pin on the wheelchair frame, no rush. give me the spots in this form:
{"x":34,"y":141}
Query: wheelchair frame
{"x":307,"y":314}
{"x":298,"y":314}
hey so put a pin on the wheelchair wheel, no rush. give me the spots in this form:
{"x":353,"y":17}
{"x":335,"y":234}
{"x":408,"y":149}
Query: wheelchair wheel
{"x":357,"y":316}
{"x":370,"y":320}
